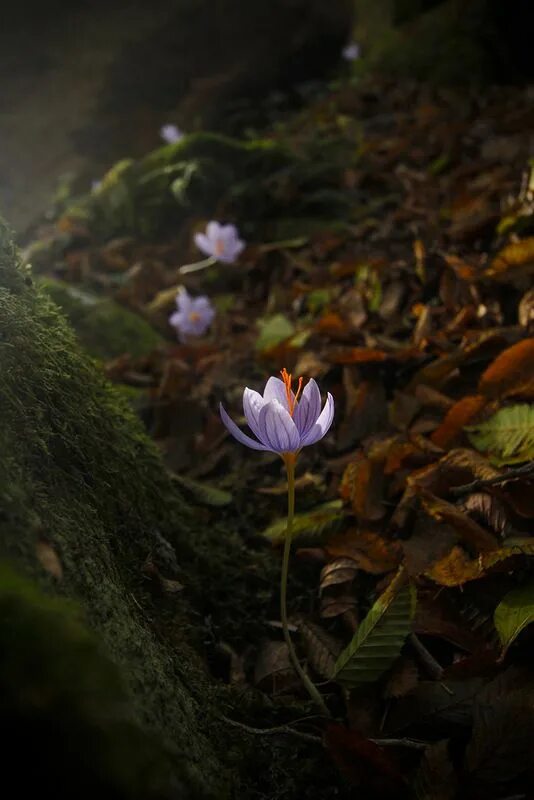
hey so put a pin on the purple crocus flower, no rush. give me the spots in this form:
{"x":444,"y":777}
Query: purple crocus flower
{"x":220,"y":241}
{"x":170,"y":133}
{"x":281,"y":422}
{"x":351,"y":51}
{"x":194,"y":315}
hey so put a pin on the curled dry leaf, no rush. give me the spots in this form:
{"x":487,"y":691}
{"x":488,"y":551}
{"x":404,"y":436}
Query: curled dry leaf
{"x":341,"y":570}
{"x":457,"y":568}
{"x":461,"y":414}
{"x":368,"y":550}
{"x":321,"y":649}
{"x":470,"y":532}
{"x":512,"y":372}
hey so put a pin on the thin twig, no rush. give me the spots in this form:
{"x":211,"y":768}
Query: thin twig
{"x":480,"y":483}
{"x":433,"y":667}
{"x":276,"y":731}
{"x":283,"y":730}
{"x":412,"y":743}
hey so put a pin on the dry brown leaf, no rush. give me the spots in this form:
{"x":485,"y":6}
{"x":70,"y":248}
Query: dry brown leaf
{"x":321,"y":648}
{"x":516,"y":258}
{"x":362,"y":486}
{"x":461,"y":414}
{"x":273,"y":671}
{"x":512,"y":372}
{"x":368,"y":550}
{"x":335,"y":605}
{"x":341,"y":570}
{"x":457,"y":568}
{"x":468,"y":530}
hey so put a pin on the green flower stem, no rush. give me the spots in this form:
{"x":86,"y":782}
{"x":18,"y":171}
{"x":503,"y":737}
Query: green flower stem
{"x":198,"y":265}
{"x":311,"y":688}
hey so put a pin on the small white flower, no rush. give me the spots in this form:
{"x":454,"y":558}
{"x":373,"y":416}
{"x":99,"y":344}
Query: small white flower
{"x":171,"y":133}
{"x":220,"y":241}
{"x":351,"y":51}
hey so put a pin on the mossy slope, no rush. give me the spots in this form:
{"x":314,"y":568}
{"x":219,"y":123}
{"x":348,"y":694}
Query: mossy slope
{"x":76,"y":470}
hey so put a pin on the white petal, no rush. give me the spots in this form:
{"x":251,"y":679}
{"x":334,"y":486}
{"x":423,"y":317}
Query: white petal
{"x":253,"y":402}
{"x":308,"y":408}
{"x":277,"y":429}
{"x":322,"y":425}
{"x":275,"y":389}
{"x":204,"y":244}
{"x":213,"y":231}
{"x":237,"y":433}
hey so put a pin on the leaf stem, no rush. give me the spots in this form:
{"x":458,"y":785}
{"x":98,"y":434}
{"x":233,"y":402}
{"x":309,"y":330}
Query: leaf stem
{"x":311,"y":688}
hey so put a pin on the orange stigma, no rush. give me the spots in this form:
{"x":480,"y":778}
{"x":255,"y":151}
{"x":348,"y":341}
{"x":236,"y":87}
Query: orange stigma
{"x":288,"y":380}
{"x":194,"y":316}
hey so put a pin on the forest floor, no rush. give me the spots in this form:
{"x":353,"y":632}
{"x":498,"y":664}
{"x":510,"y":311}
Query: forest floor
{"x":390,"y":252}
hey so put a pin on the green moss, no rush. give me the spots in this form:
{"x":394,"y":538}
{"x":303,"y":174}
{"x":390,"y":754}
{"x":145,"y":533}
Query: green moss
{"x":105,"y":329}
{"x":76,"y":468}
{"x":61,"y":698}
{"x":445,"y":42}
{"x":258,"y":182}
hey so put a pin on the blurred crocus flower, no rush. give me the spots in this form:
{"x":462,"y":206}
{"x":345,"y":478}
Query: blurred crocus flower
{"x":351,"y":51}
{"x":171,"y":133}
{"x":220,"y":241}
{"x":283,"y":422}
{"x":194,"y":315}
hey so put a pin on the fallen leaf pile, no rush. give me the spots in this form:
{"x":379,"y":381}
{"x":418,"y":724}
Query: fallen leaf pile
{"x":390,"y":255}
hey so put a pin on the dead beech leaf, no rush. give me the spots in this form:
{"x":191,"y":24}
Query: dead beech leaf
{"x":511,"y":373}
{"x":321,"y":648}
{"x":49,"y":559}
{"x":457,"y":568}
{"x":273,"y":671}
{"x":342,"y":570}
{"x":525,"y":311}
{"x":359,"y":355}
{"x":516,"y":258}
{"x":490,"y":510}
{"x":362,"y":486}
{"x":369,"y":551}
{"x":461,"y":414}
{"x":468,"y":530}
{"x":335,"y":605}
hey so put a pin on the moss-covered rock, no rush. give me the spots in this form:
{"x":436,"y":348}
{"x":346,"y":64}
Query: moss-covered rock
{"x":105,"y":329}
{"x":256,"y":181}
{"x":445,"y":41}
{"x":76,"y":470}
{"x":65,"y":707}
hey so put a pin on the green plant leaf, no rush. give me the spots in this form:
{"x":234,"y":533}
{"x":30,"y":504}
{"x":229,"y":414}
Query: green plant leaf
{"x":508,"y":436}
{"x":320,"y":520}
{"x":203,"y":493}
{"x":273,"y":331}
{"x":514,"y":613}
{"x":380,"y":637}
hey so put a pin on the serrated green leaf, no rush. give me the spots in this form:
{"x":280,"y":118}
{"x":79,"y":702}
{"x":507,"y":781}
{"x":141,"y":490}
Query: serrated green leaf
{"x":380,"y":637}
{"x":203,"y":493}
{"x":273,"y":331}
{"x":508,"y":436}
{"x":320,"y":520}
{"x":514,"y":613}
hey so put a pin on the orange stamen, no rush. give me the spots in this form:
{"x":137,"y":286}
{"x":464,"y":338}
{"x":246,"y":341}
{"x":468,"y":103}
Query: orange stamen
{"x":288,"y":380}
{"x":194,"y":316}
